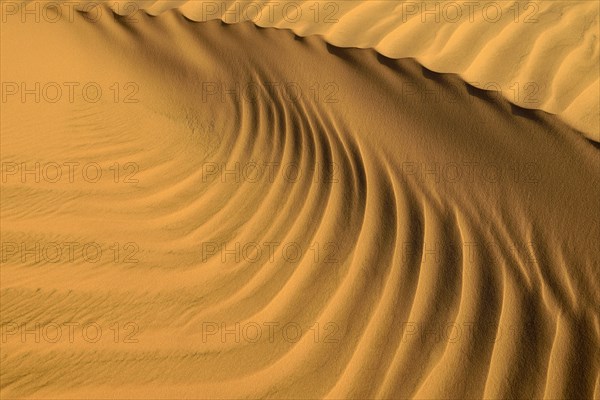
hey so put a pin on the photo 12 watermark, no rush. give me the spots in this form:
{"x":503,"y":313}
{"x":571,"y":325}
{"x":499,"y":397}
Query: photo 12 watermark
{"x":269,"y":332}
{"x":453,"y":332}
{"x":455,"y":12}
{"x":69,"y":92}
{"x":472,"y":172}
{"x":525,"y":93}
{"x":69,"y":332}
{"x":470,"y":252}
{"x":69,"y":172}
{"x":291,"y":12}
{"x":34,"y":252}
{"x":52,"y":12}
{"x":269,"y":171}
{"x":256,"y":92}
{"x":269,"y":252}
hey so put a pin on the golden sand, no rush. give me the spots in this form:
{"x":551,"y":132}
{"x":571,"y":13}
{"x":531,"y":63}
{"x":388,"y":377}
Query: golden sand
{"x":221,"y":211}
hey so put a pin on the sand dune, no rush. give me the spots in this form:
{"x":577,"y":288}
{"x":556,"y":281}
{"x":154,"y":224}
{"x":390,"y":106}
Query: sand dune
{"x":538,"y":54}
{"x":277,"y":217}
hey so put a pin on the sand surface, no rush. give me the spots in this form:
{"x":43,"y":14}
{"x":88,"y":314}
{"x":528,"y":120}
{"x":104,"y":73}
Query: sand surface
{"x":537,"y":54}
{"x":208,"y":210}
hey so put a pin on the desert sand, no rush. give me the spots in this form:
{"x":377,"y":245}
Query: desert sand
{"x":537,"y":54}
{"x":209,"y":210}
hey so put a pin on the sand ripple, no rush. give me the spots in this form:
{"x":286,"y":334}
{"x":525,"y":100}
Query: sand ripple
{"x":448,"y":246}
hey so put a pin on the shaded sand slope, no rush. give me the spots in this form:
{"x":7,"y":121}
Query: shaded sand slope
{"x":449,"y":239}
{"x":538,"y":54}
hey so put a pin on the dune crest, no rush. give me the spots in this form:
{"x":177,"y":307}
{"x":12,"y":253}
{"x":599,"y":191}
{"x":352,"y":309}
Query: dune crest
{"x":538,"y":54}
